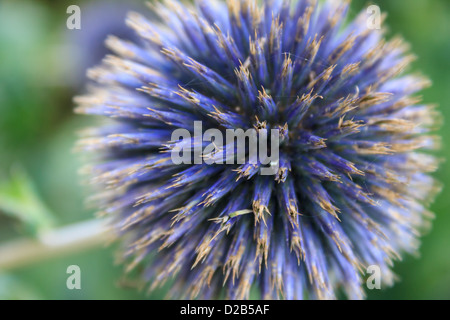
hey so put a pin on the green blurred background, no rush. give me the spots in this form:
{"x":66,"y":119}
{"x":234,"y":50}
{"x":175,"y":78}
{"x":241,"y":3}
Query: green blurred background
{"x":42,"y":66}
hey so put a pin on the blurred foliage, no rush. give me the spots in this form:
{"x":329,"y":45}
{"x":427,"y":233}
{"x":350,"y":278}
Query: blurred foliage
{"x":19,"y":199}
{"x":40,"y":66}
{"x":11,"y":288}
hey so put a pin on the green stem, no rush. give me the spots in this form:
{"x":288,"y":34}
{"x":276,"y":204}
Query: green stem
{"x":63,"y":241}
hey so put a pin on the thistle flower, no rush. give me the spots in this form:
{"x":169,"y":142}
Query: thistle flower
{"x":353,"y":183}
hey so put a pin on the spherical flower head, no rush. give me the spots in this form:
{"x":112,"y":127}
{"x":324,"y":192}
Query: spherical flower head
{"x":351,"y":185}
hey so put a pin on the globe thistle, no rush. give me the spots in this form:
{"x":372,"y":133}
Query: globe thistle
{"x":352,"y":186}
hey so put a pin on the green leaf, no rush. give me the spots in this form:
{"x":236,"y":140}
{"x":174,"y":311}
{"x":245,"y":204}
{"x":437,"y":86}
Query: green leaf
{"x":19,"y":199}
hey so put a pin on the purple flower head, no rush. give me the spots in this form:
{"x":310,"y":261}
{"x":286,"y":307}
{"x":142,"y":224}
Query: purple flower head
{"x":352,"y":185}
